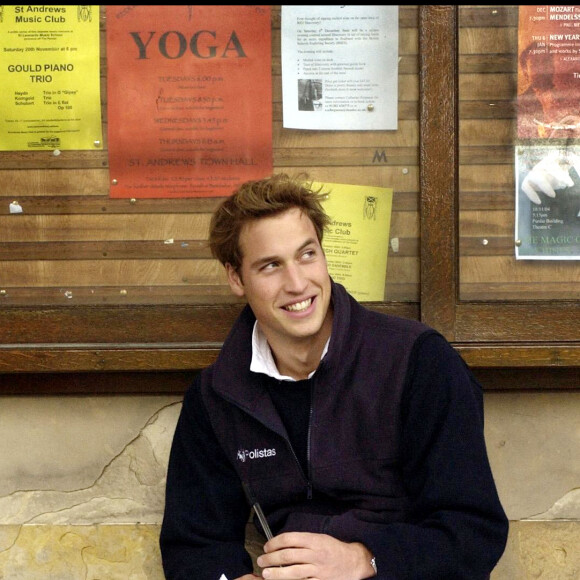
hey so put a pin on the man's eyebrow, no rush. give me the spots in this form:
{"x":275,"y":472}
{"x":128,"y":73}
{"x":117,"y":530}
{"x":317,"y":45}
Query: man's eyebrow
{"x":262,"y":261}
{"x":305,"y":244}
{"x":274,"y":258}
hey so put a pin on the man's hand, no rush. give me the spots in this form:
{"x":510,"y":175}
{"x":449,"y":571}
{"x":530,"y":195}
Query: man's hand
{"x":550,"y":174}
{"x":298,"y":555}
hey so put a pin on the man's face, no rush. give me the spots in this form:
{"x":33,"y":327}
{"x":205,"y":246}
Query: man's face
{"x":284,"y":277}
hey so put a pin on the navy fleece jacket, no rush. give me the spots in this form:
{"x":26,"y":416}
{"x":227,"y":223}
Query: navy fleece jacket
{"x":393,"y":455}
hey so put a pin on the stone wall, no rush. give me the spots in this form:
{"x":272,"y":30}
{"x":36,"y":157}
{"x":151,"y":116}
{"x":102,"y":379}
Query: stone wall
{"x":81,"y":492}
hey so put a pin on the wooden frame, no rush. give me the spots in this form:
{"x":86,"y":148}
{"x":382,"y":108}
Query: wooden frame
{"x":514,"y":334}
{"x":78,"y":349}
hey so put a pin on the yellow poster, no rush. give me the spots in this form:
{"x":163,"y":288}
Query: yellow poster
{"x":357,"y":241}
{"x":50,"y":78}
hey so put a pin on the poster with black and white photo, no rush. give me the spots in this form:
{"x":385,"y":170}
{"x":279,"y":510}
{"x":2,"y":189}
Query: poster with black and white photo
{"x":340,"y":67}
{"x":547,"y":224}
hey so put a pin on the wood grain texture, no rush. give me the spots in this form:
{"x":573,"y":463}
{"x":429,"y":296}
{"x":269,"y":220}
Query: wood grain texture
{"x":438,"y":167}
{"x":90,"y":291}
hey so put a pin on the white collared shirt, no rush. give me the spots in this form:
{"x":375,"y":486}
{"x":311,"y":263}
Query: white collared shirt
{"x":262,"y":359}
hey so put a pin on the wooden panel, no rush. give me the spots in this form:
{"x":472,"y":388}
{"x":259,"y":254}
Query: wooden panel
{"x":110,"y":227}
{"x":487,"y":77}
{"x":73,"y":244}
{"x":533,"y":274}
{"x":438,"y":163}
{"x":405,"y":198}
{"x":534,"y":322}
{"x":451,"y":166}
{"x":30,"y":336}
{"x":175,"y":382}
{"x":165,"y":272}
{"x":87,"y":279}
{"x":485,"y":16}
{"x":538,"y":329}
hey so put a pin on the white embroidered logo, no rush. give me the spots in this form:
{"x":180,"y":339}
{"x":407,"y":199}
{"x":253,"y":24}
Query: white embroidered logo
{"x":244,"y":454}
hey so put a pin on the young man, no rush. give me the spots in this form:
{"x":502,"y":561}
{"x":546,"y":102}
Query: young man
{"x":359,"y":434}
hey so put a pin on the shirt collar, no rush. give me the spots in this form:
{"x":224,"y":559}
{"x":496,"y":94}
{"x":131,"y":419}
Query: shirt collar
{"x":262,"y":359}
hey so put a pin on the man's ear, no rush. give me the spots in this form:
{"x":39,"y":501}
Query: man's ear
{"x":235,"y":281}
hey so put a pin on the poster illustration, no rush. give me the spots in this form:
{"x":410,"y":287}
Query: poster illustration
{"x":548,"y":72}
{"x":547,"y":157}
{"x":548,"y":203}
{"x":189,"y":99}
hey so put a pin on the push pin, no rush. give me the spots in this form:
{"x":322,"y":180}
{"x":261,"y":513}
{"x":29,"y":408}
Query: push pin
{"x":370,"y":108}
{"x":15,"y":207}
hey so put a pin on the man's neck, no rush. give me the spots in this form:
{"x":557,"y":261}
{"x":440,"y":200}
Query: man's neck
{"x":298,"y":363}
{"x":298,"y":358}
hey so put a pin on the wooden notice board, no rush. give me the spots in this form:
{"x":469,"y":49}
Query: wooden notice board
{"x":94,"y":289}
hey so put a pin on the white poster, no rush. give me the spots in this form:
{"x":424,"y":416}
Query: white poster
{"x":340,"y":67}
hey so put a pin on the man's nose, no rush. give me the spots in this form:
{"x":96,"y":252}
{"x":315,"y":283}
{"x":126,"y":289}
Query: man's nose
{"x":295,"y":280}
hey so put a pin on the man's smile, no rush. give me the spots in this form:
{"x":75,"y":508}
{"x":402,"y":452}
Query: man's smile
{"x":299,"y":306}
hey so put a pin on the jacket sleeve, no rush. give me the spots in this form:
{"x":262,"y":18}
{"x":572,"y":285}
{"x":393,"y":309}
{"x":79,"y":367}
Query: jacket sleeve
{"x":455,"y":526}
{"x":203,"y":528}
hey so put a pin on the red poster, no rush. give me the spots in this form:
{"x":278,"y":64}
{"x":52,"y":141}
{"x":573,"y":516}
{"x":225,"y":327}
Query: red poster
{"x":189,"y":99}
{"x":549,"y":72}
